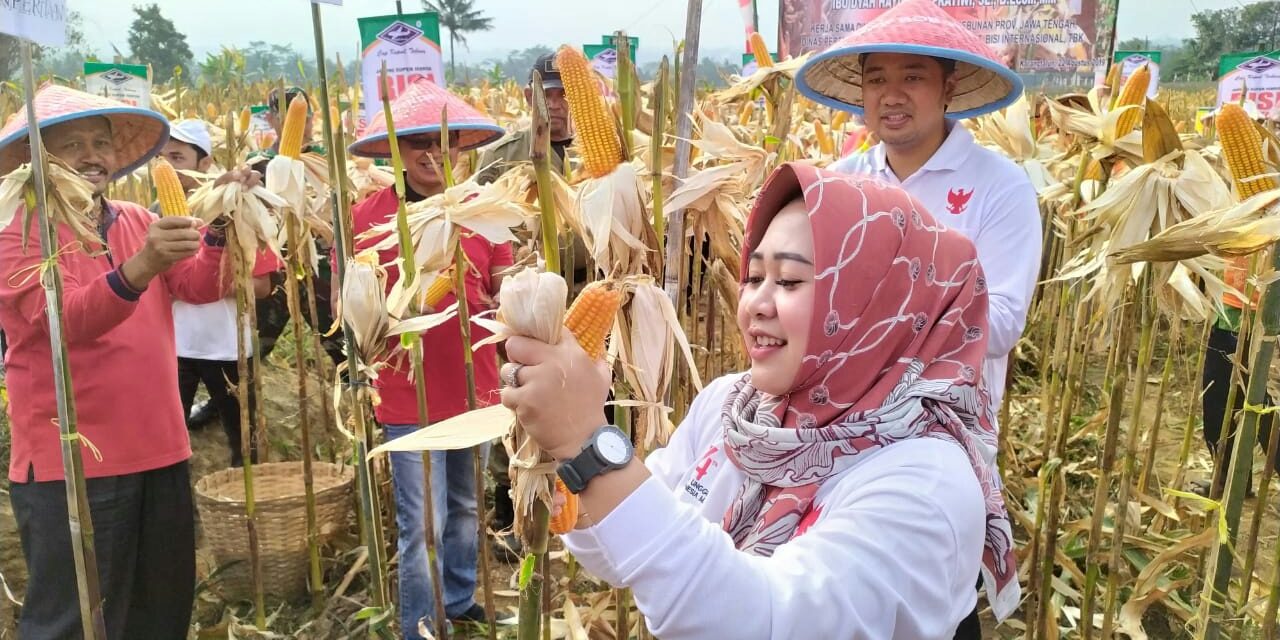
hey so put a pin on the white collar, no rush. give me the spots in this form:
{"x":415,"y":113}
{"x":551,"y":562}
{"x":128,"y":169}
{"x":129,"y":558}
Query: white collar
{"x":951,"y":156}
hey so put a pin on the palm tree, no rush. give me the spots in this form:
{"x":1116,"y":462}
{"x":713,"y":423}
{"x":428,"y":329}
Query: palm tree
{"x":460,"y":17}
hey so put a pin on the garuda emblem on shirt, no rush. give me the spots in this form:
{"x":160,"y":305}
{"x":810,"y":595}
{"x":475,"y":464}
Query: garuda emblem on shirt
{"x":958,"y":200}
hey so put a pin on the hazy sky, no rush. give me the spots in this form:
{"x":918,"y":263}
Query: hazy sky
{"x":209,"y":24}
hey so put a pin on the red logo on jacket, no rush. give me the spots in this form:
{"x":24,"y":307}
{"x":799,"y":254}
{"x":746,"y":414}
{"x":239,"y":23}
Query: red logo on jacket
{"x":958,"y":200}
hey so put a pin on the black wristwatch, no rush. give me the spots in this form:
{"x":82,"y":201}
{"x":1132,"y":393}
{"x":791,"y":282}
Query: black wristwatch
{"x":608,"y":449}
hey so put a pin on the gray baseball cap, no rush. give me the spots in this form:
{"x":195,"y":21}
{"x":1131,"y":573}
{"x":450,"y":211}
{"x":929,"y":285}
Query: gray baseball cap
{"x":546,"y":67}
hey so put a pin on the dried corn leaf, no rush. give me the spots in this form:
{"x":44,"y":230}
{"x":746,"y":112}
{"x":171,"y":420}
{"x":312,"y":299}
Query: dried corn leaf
{"x":459,"y":432}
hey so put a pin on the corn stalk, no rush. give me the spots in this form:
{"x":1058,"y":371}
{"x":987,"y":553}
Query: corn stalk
{"x":1238,"y":478}
{"x":343,"y":245}
{"x":298,"y":269}
{"x":246,"y":324}
{"x":533,"y":586}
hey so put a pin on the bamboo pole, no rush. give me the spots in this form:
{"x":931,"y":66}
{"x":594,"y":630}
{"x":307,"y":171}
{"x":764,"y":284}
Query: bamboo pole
{"x":343,"y":245}
{"x":1241,"y":459}
{"x":79,"y":518}
{"x":684,"y":130}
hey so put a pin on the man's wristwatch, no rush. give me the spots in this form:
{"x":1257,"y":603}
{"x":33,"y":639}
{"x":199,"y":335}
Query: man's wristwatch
{"x":608,"y":449}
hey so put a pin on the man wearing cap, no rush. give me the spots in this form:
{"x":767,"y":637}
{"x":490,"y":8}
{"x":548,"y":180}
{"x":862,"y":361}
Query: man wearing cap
{"x":273,"y":311}
{"x":118,"y":327}
{"x":205,"y":334}
{"x":416,"y":113}
{"x":911,"y":73}
{"x":514,"y":148}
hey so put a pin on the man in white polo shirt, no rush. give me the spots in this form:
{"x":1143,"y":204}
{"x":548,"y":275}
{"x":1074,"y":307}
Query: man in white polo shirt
{"x":910,"y":93}
{"x":911,"y":73}
{"x":205,"y":334}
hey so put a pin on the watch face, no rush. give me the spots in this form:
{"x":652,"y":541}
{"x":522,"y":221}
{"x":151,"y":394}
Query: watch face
{"x":613,"y":447}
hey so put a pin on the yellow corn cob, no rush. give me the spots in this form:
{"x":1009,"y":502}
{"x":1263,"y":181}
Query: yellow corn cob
{"x":295,"y":124}
{"x":760,"y":50}
{"x":440,"y":287}
{"x":169,"y":191}
{"x":245,"y":116}
{"x":825,"y":144}
{"x":1134,"y":93}
{"x":591,"y":316}
{"x":1093,"y":171}
{"x":838,"y":121}
{"x":1113,"y":82}
{"x":210,"y":112}
{"x":1242,"y":148}
{"x":744,"y":115}
{"x":597,"y":131}
{"x":568,"y":516}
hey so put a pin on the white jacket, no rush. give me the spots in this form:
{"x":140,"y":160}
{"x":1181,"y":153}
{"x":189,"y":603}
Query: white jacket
{"x":891,"y":550}
{"x":990,"y":200}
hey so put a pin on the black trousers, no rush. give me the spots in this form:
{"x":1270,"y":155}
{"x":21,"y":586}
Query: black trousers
{"x":144,"y":535}
{"x":1216,"y":384}
{"x":220,"y":378}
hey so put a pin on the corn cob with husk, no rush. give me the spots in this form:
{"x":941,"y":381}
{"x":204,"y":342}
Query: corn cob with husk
{"x":608,"y":214}
{"x":246,"y":118}
{"x":1133,"y":95}
{"x":169,"y":191}
{"x":69,"y":198}
{"x":826,"y":146}
{"x":436,"y":224}
{"x":760,"y":50}
{"x":295,"y":126}
{"x":1235,"y":228}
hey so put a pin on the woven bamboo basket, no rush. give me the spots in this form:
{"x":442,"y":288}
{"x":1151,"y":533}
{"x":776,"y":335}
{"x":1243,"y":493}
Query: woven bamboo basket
{"x":282,"y":523}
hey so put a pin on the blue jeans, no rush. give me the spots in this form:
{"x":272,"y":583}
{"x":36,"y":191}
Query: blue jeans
{"x":453,"y":485}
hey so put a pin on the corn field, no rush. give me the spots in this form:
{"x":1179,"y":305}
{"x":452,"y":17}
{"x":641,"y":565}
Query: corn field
{"x":1100,"y":431}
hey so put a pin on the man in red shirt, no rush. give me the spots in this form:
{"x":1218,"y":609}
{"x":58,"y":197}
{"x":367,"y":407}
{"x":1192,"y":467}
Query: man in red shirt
{"x":118,"y":326}
{"x":416,"y":114}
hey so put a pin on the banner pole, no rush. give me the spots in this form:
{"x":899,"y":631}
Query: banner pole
{"x":79,"y":519}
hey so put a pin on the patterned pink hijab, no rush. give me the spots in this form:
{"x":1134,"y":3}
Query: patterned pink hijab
{"x":895,"y":352}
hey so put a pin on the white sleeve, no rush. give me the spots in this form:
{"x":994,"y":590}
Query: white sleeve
{"x":670,"y":463}
{"x":895,"y":555}
{"x":1009,"y":251}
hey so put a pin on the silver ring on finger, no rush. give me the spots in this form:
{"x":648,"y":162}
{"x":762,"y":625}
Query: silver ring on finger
{"x":511,"y":373}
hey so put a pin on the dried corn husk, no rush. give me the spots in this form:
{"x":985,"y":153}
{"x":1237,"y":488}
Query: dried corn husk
{"x":250,"y":211}
{"x":533,"y":305}
{"x":609,"y":215}
{"x":646,"y":344}
{"x":436,"y":225}
{"x":69,"y":199}
{"x":364,"y":305}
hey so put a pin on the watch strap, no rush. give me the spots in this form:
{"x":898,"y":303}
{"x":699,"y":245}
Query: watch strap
{"x":576,"y":473}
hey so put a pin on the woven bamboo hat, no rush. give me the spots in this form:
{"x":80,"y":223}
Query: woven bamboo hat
{"x":138,"y":134}
{"x":983,"y":83}
{"x":417,"y":111}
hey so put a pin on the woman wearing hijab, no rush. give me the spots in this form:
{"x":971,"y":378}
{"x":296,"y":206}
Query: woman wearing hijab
{"x":844,"y":486}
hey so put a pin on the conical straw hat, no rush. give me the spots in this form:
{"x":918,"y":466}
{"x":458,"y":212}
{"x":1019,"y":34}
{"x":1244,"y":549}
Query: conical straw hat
{"x":417,"y":111}
{"x":138,"y":134}
{"x":983,"y":83}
